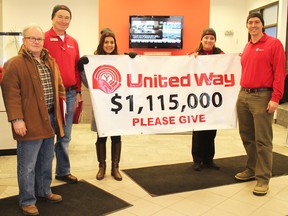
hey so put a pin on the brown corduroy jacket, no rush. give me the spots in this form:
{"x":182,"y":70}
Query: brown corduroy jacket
{"x":24,"y":97}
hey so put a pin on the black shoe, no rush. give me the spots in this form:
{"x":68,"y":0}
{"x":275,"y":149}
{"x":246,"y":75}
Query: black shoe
{"x":211,"y":166}
{"x":70,"y":179}
{"x":197,"y":166}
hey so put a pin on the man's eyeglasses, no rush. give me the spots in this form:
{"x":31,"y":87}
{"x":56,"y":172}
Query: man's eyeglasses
{"x":33,"y":39}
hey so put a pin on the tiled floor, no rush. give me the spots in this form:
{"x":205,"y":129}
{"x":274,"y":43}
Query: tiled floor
{"x":149,"y":150}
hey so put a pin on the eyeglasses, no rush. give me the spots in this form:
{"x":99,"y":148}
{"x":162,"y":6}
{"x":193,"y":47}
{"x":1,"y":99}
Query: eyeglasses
{"x":33,"y":39}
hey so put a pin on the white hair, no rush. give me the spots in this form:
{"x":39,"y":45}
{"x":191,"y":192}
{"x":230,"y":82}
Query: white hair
{"x":31,"y":27}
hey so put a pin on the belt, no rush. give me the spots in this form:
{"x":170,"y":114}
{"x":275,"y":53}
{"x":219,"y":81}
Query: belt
{"x":51,"y":110}
{"x":70,"y":88}
{"x":255,"y":90}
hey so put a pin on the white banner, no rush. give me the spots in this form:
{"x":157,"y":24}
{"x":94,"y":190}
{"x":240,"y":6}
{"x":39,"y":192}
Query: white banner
{"x":163,"y":94}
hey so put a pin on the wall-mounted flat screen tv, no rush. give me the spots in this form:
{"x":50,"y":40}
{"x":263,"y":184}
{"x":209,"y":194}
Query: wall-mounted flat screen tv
{"x":164,"y":32}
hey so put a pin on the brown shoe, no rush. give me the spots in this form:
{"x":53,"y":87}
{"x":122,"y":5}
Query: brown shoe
{"x":53,"y":198}
{"x":260,"y":189}
{"x":246,"y":175}
{"x":29,"y":210}
{"x":116,"y":174}
{"x":101,"y":173}
{"x":70,"y":179}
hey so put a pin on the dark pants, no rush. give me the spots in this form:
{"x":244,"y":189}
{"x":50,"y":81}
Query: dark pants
{"x":203,"y":146}
{"x":114,"y":139}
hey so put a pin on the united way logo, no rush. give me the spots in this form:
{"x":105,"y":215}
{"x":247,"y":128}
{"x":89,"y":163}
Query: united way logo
{"x":106,"y":78}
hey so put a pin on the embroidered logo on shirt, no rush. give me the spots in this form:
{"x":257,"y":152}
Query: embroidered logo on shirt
{"x":69,"y":46}
{"x":259,"y":50}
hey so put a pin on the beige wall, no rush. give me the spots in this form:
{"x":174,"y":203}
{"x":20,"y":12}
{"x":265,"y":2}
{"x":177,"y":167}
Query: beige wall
{"x":84,"y":24}
{"x":1,"y":15}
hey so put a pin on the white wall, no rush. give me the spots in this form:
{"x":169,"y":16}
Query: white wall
{"x":84,"y":24}
{"x":259,"y":3}
{"x":227,"y":15}
{"x":231,"y":15}
{"x":282,"y":21}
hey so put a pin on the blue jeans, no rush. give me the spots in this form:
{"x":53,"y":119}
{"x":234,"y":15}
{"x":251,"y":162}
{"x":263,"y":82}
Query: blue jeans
{"x":34,"y":168}
{"x":62,"y":144}
{"x":255,"y":127}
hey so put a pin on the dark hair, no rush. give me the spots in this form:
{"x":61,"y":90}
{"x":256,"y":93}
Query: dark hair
{"x":106,"y":33}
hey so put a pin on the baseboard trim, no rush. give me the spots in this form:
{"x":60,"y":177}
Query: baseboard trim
{"x":7,"y":152}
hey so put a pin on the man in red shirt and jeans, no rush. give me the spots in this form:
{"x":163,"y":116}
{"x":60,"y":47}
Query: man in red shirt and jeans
{"x":65,"y":50}
{"x":262,"y":87}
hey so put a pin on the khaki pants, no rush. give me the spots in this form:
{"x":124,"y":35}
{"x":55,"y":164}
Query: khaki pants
{"x":255,"y":128}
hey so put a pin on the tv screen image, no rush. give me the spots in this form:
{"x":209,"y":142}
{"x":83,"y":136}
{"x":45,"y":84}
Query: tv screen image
{"x":156,"y":32}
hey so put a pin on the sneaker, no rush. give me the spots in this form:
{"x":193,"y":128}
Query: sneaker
{"x":52,"y":198}
{"x":261,"y":189}
{"x":245,"y":175}
{"x":70,"y":179}
{"x":29,"y":210}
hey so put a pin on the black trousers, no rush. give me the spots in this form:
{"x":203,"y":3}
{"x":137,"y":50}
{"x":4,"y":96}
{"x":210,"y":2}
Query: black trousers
{"x":114,"y":139}
{"x":203,"y":146}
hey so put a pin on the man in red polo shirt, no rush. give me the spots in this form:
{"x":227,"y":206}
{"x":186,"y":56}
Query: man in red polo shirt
{"x":64,"y":49}
{"x":262,"y":87}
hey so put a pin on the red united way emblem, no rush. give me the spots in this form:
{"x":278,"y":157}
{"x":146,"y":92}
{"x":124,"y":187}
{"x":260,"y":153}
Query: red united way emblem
{"x":106,"y":78}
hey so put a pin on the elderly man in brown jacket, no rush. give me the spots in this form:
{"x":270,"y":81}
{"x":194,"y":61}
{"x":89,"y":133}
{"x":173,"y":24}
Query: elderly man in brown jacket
{"x":31,"y":88}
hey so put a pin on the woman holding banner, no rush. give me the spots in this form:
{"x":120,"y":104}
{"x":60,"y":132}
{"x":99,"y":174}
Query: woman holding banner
{"x":203,"y":145}
{"x":107,"y":46}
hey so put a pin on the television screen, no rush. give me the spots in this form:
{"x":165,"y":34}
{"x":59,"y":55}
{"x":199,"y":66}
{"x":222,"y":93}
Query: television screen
{"x":156,"y":32}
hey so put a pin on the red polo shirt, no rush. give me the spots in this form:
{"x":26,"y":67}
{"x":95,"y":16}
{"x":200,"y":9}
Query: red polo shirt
{"x":263,"y":66}
{"x":66,"y":54}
